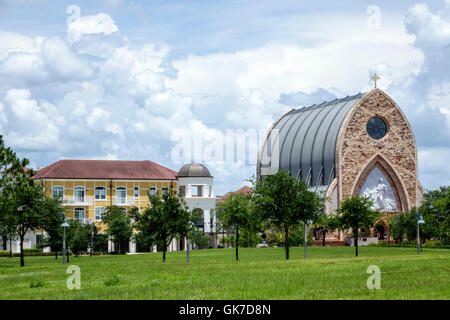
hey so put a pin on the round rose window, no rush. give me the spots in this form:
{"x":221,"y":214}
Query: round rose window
{"x":376,"y":128}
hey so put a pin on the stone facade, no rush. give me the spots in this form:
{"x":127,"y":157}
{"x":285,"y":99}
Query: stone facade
{"x":395,"y":154}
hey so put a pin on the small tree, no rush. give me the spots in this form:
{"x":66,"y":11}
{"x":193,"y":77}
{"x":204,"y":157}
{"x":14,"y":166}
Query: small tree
{"x":77,"y":236}
{"x":166,"y":218}
{"x":52,"y":220}
{"x":357,"y":212}
{"x":118,"y":226}
{"x":25,"y":199}
{"x":236,"y":213}
{"x":285,"y":201}
{"x":326,"y":223}
{"x":16,"y":213}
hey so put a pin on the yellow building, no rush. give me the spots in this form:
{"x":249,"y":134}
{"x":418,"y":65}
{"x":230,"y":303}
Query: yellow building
{"x":87,"y":187}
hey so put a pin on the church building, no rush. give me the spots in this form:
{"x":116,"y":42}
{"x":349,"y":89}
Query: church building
{"x":357,"y":145}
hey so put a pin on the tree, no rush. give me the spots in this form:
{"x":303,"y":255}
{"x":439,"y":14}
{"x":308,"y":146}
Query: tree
{"x":166,"y":218}
{"x":397,"y":227}
{"x":326,"y":223}
{"x":236,"y":212}
{"x":436,"y":213}
{"x":91,"y":234}
{"x":118,"y":226}
{"x":284,"y":202}
{"x":197,"y":237}
{"x":77,"y":236}
{"x":356,"y":212}
{"x":8,"y":163}
{"x":25,"y":199}
{"x":53,"y":218}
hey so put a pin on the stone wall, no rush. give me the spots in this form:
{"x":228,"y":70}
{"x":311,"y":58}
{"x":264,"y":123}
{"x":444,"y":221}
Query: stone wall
{"x":396,"y":152}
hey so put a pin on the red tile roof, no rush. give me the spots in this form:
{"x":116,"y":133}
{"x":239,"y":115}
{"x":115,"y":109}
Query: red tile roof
{"x":243,"y":190}
{"x":106,"y":169}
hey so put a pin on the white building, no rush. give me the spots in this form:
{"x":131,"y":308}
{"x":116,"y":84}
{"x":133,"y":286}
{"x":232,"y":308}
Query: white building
{"x":195,"y":185}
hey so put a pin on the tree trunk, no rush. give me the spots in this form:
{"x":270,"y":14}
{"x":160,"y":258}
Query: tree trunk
{"x":164,"y":255}
{"x":324,"y":235}
{"x":286,"y":241}
{"x":5,"y":241}
{"x":237,"y":244}
{"x":10,"y":248}
{"x":22,"y":262}
{"x":355,"y":235}
{"x":56,"y":254}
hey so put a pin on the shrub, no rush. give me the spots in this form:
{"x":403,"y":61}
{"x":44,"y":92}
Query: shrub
{"x":32,"y":250}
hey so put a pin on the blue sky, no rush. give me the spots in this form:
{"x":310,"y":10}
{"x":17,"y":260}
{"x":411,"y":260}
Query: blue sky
{"x":122,"y":88}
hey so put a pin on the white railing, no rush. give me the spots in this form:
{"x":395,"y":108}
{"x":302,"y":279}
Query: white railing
{"x":119,"y":201}
{"x":69,"y":201}
{"x":124,"y":201}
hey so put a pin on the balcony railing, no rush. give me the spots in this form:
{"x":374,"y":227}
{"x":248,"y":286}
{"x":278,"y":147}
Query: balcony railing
{"x":69,"y":201}
{"x":118,"y":201}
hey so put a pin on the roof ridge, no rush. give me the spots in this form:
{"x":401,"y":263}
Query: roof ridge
{"x":328,"y":103}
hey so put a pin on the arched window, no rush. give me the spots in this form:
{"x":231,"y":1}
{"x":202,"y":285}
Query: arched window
{"x":100,"y":193}
{"x":78,"y":193}
{"x":152,"y":191}
{"x":121,"y":195}
{"x":78,"y":214}
{"x":99,"y":213}
{"x":58,"y":191}
{"x":377,"y":188}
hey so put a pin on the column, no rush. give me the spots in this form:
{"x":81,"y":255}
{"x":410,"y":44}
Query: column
{"x":132,"y":247}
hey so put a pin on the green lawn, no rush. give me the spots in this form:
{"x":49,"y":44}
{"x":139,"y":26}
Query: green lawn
{"x":328,"y":273}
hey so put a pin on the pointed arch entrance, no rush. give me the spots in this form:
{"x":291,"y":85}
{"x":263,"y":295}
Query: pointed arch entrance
{"x":388,"y":192}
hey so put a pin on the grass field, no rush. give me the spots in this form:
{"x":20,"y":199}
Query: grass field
{"x":328,"y":273}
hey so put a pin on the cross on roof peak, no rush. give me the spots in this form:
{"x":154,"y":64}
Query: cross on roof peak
{"x":375,"y":77}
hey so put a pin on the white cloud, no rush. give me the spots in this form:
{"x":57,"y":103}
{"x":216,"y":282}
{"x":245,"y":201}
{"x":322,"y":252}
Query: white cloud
{"x":98,"y":95}
{"x":78,"y":25}
{"x":426,"y":26}
{"x":30,"y":125}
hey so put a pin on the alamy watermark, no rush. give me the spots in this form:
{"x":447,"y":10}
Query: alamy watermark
{"x":373,"y":21}
{"x":234,"y":146}
{"x":374,"y":281}
{"x":74,"y":280}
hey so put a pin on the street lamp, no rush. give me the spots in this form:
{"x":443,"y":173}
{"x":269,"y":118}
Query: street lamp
{"x":64,"y":226}
{"x":91,"y":242}
{"x":419,"y":221}
{"x":305,"y":242}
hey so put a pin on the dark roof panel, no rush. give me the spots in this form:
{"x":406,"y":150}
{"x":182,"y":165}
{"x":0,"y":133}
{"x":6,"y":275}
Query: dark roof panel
{"x":307,"y":140}
{"x":193,"y":170}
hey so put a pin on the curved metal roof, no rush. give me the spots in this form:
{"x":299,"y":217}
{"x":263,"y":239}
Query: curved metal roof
{"x":307,"y":141}
{"x":193,"y":170}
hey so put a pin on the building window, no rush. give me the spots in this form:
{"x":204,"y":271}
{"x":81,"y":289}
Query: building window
{"x":182,"y":192}
{"x":78,"y":214}
{"x":152,"y":191}
{"x":136,"y":192}
{"x":165,"y":191}
{"x":57,"y":191}
{"x":78,"y":193}
{"x":196,"y":191}
{"x":121,"y":195}
{"x":99,"y":213}
{"x":100,"y":193}
{"x":376,"y":128}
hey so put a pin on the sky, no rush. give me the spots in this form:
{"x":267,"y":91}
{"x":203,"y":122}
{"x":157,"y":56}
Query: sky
{"x":157,"y":80}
